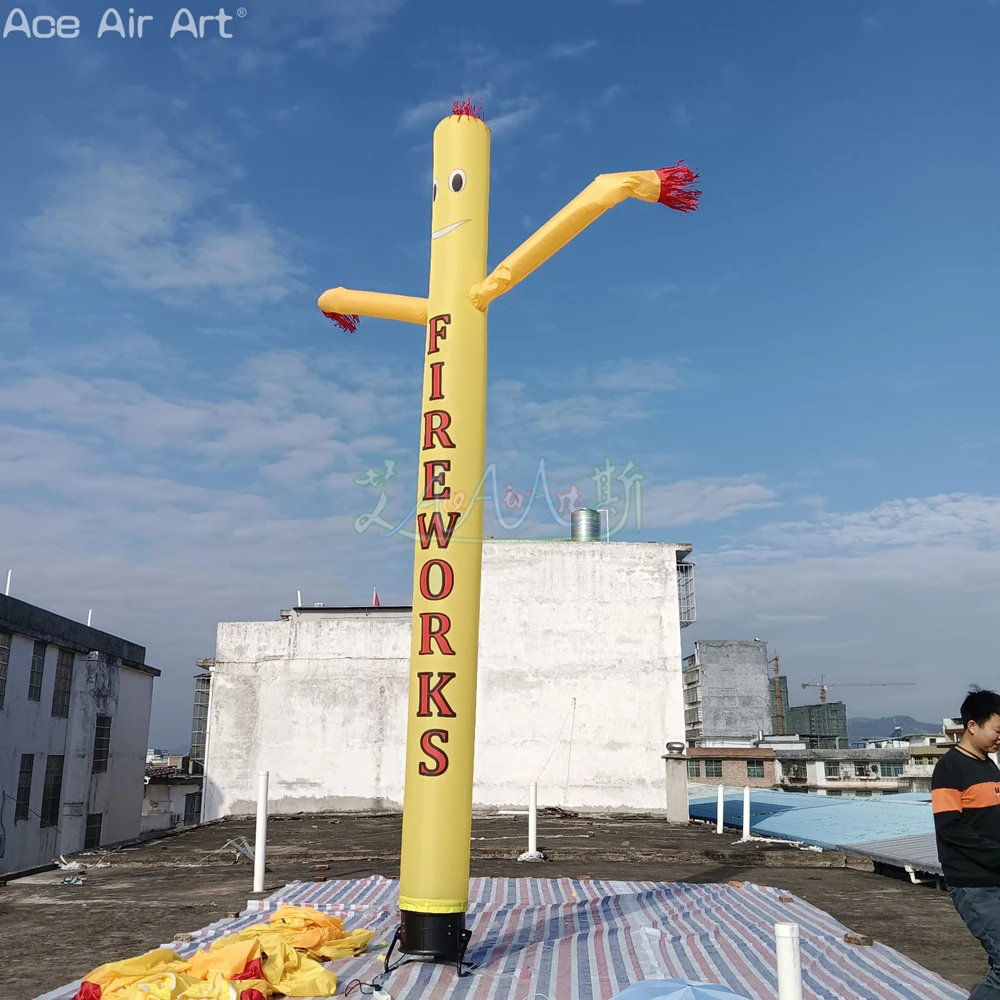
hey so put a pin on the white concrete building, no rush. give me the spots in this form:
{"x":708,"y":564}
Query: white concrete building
{"x":74,"y":723}
{"x":579,"y":689}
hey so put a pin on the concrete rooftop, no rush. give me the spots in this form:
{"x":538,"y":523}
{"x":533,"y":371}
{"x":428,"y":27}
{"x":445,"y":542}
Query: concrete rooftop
{"x":52,"y":933}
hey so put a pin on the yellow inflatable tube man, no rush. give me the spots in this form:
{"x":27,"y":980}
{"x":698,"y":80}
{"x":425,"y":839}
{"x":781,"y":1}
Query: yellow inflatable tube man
{"x":437,"y":807}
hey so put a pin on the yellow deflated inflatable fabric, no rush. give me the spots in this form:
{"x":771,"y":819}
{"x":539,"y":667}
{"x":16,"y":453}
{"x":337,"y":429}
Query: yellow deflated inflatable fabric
{"x":279,"y":958}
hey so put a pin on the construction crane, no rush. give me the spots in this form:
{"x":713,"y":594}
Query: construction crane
{"x":779,"y":708}
{"x":822,"y":685}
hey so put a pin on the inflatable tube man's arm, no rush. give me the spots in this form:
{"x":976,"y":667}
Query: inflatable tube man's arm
{"x":345,"y":305}
{"x":666,"y":186}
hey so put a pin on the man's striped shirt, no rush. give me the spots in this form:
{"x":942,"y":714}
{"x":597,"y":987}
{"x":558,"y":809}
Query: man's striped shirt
{"x":965,"y":794}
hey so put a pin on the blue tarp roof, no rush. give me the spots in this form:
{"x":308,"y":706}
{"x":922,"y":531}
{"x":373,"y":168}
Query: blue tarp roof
{"x":824,"y":821}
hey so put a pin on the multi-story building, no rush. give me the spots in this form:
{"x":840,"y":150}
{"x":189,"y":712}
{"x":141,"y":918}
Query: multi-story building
{"x":732,"y":766}
{"x":74,"y":723}
{"x":843,"y":772}
{"x":726,"y":690}
{"x":823,"y":726}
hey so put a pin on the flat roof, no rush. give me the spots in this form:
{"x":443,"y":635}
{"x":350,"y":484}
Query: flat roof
{"x":46,"y":626}
{"x":347,"y":611}
{"x":196,"y":879}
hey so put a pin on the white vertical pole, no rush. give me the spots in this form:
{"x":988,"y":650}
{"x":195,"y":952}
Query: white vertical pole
{"x":533,"y":818}
{"x":720,"y":809}
{"x":89,"y":613}
{"x":260,"y":847}
{"x":298,"y":598}
{"x":786,"y":939}
{"x":7,"y":591}
{"x":607,"y":523}
{"x":746,"y":812}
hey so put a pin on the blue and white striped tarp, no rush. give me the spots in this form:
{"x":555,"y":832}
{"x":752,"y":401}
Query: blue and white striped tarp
{"x":564,"y":939}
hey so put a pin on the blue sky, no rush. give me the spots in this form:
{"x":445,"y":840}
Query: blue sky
{"x":803,"y":370}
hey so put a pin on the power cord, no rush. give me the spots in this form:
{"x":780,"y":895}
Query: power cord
{"x":374,"y":987}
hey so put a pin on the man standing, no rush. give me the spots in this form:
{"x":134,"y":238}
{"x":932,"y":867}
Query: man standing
{"x":965,"y":792}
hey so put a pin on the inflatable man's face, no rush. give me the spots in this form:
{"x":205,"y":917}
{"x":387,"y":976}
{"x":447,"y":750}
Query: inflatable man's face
{"x":461,"y":199}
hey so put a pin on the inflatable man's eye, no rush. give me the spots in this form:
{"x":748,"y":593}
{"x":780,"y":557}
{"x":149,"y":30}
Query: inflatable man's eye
{"x":457,"y":180}
{"x":434,"y":190}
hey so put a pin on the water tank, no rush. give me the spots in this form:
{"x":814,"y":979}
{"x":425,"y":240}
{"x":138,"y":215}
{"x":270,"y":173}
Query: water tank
{"x":586,"y":525}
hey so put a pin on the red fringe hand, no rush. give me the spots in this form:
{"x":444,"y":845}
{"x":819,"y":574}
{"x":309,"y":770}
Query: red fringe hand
{"x":673,"y":181}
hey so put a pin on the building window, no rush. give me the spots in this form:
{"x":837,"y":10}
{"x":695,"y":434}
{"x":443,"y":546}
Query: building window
{"x":694,"y":768}
{"x":37,"y":669}
{"x":865,"y":794}
{"x":63,"y":685}
{"x":192,"y":808}
{"x":713,"y":768}
{"x":832,"y":770}
{"x":692,"y":695}
{"x":892,"y":770}
{"x":836,"y":793}
{"x":692,"y":716}
{"x":755,"y":769}
{"x":52,"y":790}
{"x":862,"y":769}
{"x":102,"y":744}
{"x":4,"y":661}
{"x":92,"y":835}
{"x":199,"y":718}
{"x":23,"y":805}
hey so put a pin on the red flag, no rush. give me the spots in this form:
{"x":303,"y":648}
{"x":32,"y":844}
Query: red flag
{"x":375,"y":602}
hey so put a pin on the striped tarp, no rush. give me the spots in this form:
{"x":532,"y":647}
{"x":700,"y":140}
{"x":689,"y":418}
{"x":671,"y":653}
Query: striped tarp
{"x":564,"y":939}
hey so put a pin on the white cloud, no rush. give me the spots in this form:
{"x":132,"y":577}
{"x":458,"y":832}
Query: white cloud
{"x":346,"y":22}
{"x":705,"y":500}
{"x":959,"y":519}
{"x":14,"y":317}
{"x":565,"y":50}
{"x":921,"y":614}
{"x":424,"y":114}
{"x":621,"y":390}
{"x":505,"y":116}
{"x":277,"y":406}
{"x":640,"y":376}
{"x":610,"y":94}
{"x":145,"y":218}
{"x":905,"y":591}
{"x":517,"y":114}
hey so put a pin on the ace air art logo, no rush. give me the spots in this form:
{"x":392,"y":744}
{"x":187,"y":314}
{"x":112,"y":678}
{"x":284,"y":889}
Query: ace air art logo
{"x":617,"y":493}
{"x":126,"y":23}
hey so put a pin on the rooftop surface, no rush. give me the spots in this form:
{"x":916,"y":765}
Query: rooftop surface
{"x":52,"y":933}
{"x":37,"y":623}
{"x":845,"y":823}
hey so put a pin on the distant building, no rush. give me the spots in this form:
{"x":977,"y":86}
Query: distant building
{"x":74,"y":723}
{"x":732,"y":766}
{"x":843,"y":772}
{"x":579,"y":681}
{"x":823,"y":726}
{"x":726,"y":690}
{"x":171,"y":798}
{"x":779,"y":721}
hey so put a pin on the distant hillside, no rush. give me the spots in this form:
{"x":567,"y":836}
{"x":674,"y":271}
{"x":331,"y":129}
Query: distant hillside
{"x":865,"y":729}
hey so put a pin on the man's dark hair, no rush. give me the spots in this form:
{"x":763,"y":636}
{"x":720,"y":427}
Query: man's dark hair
{"x":979,"y":707}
